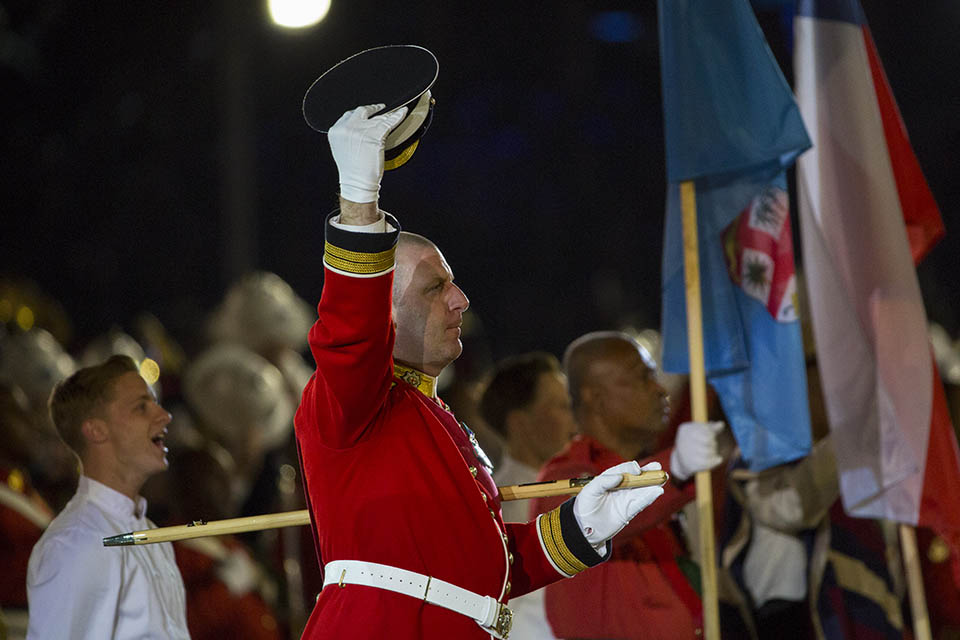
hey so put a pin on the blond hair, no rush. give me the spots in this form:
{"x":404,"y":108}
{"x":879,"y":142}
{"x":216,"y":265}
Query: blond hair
{"x":83,"y":395}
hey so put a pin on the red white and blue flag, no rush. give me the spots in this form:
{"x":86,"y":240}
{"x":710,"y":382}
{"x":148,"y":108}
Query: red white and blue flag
{"x":866,"y":217}
{"x":758,"y":248}
{"x":731,"y":126}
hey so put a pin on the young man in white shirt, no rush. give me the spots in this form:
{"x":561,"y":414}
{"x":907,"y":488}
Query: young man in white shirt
{"x":76,"y":587}
{"x":527,"y":403}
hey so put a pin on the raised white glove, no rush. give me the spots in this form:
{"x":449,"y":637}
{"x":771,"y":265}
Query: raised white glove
{"x":356,"y":141}
{"x":695,"y":449}
{"x":602,"y":513}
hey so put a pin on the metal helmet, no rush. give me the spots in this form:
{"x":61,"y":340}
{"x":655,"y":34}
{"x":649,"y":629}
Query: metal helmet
{"x":237,"y":393}
{"x":262,"y":311}
{"x":652,"y":342}
{"x":114,"y":342}
{"x":35,"y":362}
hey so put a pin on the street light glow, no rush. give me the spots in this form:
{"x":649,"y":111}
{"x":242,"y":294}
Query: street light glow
{"x":297,"y":14}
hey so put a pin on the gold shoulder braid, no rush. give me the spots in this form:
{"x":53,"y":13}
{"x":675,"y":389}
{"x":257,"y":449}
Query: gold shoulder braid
{"x":427,"y":385}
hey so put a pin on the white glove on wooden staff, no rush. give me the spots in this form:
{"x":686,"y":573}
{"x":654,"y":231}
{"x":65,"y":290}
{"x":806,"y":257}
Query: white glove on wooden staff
{"x":602,"y":512}
{"x":696,"y":448}
{"x":199,"y":529}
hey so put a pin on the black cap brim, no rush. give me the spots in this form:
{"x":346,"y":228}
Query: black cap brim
{"x":394,"y":75}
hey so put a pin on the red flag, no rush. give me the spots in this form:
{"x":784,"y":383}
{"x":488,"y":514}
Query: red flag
{"x":867,"y":217}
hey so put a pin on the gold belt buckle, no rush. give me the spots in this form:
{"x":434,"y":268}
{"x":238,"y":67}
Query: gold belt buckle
{"x":504,"y":621}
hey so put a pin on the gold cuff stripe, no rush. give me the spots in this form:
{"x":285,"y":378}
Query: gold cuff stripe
{"x":561,"y":555}
{"x":357,"y":262}
{"x":578,"y":565}
{"x":353,"y":267}
{"x":546,"y":532}
{"x":557,"y":547}
{"x":358,"y":256}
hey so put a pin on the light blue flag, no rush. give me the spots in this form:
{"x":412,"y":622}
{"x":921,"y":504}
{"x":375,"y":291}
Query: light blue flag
{"x":732,"y":126}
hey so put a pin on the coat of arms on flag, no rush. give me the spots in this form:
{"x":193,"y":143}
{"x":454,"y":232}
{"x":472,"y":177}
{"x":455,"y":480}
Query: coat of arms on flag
{"x":758,"y":249}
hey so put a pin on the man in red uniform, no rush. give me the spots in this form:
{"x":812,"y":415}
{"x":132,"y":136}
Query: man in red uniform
{"x":622,"y":411}
{"x":405,"y":512}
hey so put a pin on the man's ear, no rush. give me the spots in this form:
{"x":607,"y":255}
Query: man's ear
{"x":94,"y":430}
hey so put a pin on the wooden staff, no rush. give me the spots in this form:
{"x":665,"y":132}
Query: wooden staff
{"x":918,"y":601}
{"x":698,"y":397}
{"x":200,"y":528}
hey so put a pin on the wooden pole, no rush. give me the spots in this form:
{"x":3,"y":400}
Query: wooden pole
{"x":202,"y":529}
{"x":698,"y":397}
{"x":911,"y":566}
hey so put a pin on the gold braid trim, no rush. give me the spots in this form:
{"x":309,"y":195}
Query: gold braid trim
{"x":358,"y":256}
{"x":560,"y":554}
{"x":356,"y":262}
{"x":853,"y":575}
{"x":401,"y":159}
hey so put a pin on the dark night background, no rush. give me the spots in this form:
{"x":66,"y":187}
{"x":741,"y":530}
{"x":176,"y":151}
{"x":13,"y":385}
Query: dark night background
{"x":152,"y":152}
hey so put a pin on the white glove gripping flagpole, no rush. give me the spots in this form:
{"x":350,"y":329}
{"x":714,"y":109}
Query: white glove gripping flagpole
{"x":698,"y":396}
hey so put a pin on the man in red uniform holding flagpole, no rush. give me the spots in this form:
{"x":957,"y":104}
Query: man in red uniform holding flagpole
{"x":405,"y":514}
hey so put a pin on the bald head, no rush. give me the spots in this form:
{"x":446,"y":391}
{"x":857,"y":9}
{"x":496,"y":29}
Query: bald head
{"x":427,"y":306}
{"x":584,"y":353}
{"x":615,"y":393}
{"x":410,"y":248}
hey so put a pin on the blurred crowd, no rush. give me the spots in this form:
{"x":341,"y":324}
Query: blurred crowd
{"x":791,"y":563}
{"x":232,"y":450}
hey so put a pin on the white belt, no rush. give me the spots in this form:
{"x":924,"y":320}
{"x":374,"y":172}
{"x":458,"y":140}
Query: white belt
{"x":489,"y":613}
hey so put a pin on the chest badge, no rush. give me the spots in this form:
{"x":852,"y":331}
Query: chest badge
{"x":477,"y":449}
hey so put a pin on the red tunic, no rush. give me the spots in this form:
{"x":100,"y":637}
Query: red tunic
{"x":213,"y":610}
{"x":23,"y":517}
{"x":640,"y":592}
{"x":390,"y":475}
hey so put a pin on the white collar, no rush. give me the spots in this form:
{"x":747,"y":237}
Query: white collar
{"x":112,"y":500}
{"x":513,"y":468}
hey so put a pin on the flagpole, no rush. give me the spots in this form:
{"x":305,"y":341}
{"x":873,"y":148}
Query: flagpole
{"x":698,"y":395}
{"x":911,"y":565}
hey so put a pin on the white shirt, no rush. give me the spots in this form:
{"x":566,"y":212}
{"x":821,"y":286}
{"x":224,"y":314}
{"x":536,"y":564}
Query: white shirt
{"x":512,"y":471}
{"x":529,"y":610}
{"x":775,"y":566}
{"x":77,"y":588}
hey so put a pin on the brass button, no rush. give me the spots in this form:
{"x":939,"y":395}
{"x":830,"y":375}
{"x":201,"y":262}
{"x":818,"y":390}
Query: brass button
{"x":473,"y":471}
{"x":506,"y":591}
{"x":938,"y":551}
{"x":484,"y":496}
{"x":504,"y":536}
{"x":510,"y":557}
{"x":492,"y":514}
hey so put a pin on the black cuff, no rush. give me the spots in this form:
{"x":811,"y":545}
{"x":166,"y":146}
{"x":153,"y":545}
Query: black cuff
{"x":566,"y":547}
{"x":365,"y":254}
